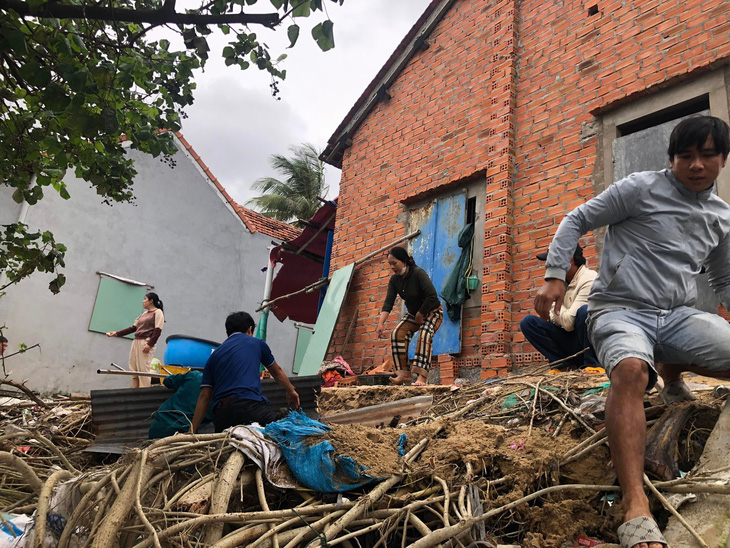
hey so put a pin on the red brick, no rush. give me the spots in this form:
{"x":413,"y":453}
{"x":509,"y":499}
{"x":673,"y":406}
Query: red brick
{"x":458,"y":112}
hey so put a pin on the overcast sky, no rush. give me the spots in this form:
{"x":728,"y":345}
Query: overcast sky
{"x":236,"y":125}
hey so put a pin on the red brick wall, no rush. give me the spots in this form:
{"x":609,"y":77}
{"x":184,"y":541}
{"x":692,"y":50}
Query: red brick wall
{"x":504,"y":90}
{"x":572,"y":64}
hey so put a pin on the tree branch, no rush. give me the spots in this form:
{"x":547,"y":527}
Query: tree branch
{"x":28,"y":392}
{"x":159,"y":16}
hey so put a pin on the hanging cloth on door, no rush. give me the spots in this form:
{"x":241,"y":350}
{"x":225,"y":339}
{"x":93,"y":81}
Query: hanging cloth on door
{"x":454,"y":290}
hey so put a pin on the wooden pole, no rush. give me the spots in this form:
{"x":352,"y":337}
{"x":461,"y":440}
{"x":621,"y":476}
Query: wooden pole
{"x":324,"y":281}
{"x":386,"y":247}
{"x":321,"y":228}
{"x":130,"y":373}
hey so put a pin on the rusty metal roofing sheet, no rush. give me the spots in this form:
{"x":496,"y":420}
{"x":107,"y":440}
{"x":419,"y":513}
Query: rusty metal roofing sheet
{"x":121,"y":418}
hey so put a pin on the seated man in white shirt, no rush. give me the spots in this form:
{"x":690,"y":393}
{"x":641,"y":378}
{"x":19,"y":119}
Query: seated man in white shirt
{"x":566,"y":333}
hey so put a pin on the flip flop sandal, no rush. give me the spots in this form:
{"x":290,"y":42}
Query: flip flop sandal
{"x":676,"y":391}
{"x":638,"y":530}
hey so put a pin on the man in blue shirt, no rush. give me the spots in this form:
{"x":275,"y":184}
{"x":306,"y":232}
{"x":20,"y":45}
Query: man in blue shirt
{"x":232,"y":382}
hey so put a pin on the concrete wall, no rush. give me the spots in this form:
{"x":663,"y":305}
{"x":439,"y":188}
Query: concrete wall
{"x":178,"y":236}
{"x":514,"y":92}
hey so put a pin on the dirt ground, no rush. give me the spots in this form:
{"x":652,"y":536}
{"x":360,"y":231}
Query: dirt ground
{"x":334,"y":400}
{"x":515,"y":459}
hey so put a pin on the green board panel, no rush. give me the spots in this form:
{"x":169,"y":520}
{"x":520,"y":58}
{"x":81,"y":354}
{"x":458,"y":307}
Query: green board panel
{"x":304,"y":335}
{"x":326,"y":320}
{"x":117,"y":306}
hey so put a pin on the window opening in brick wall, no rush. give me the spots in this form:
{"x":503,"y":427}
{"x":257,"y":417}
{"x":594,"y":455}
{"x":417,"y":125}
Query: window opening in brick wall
{"x":593,"y":10}
{"x":471,"y":209}
{"x":673,"y":112}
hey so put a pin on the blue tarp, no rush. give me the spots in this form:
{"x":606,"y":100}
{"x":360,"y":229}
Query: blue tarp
{"x":315,"y":464}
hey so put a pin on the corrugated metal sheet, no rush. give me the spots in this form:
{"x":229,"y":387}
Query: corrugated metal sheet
{"x":121,"y":418}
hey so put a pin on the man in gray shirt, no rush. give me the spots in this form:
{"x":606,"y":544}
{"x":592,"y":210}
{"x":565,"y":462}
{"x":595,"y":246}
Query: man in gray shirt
{"x":663,"y":227}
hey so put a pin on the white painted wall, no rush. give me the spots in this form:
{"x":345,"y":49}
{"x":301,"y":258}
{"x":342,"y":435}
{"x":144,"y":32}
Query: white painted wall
{"x":179,"y":236}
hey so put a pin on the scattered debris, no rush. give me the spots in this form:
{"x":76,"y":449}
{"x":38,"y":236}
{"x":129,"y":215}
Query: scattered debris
{"x":511,"y":462}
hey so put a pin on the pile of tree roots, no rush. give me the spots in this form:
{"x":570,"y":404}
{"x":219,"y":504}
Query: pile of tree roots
{"x":521,"y":461}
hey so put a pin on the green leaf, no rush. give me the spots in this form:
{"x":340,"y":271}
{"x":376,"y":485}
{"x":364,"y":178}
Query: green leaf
{"x":201,"y":47}
{"x":77,"y":43}
{"x":228,"y":51}
{"x":56,"y":284}
{"x":99,"y":146}
{"x":55,"y":97}
{"x":65,"y":46}
{"x":77,"y":80}
{"x":293,"y":33}
{"x":35,"y":74}
{"x":301,"y":9}
{"x":54,"y":173}
{"x":189,"y":36}
{"x":109,"y":121}
{"x":324,"y":36}
{"x":281,"y":57}
{"x":277,"y":3}
{"x":15,"y":40}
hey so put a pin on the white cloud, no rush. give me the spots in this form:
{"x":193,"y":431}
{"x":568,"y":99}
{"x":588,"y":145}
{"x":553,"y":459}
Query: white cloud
{"x":236,"y":125}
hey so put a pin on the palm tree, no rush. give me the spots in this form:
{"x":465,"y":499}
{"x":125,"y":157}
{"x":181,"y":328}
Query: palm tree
{"x":298,"y":195}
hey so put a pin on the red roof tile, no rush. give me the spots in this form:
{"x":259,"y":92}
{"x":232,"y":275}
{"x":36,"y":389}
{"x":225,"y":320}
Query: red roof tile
{"x":255,"y":222}
{"x":266,"y":225}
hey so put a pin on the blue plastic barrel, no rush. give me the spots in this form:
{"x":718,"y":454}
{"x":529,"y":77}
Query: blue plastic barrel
{"x":185,"y":351}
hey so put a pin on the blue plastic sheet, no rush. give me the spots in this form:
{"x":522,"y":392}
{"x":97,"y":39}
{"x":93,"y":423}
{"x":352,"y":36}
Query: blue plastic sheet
{"x":316,"y":465}
{"x":402,"y":441}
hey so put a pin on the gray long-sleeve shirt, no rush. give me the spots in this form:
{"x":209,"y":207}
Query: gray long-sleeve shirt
{"x":659,"y":236}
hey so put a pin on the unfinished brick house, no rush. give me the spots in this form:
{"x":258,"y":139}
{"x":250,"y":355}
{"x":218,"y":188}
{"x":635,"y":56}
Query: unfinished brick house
{"x":527,"y":108}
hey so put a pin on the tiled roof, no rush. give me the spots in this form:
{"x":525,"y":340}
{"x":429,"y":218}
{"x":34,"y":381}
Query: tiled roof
{"x":255,"y":222}
{"x":266,"y":225}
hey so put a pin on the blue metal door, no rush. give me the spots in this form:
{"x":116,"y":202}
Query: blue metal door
{"x":436,"y":250}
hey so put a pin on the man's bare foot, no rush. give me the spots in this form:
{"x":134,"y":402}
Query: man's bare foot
{"x":420,"y":381}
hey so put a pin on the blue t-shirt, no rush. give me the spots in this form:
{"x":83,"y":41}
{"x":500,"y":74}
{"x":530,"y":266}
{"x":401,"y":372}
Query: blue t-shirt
{"x":233,"y":368}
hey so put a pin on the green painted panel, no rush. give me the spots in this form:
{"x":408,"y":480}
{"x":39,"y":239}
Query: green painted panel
{"x":304,"y":335}
{"x":326,"y":320}
{"x":117,"y":305}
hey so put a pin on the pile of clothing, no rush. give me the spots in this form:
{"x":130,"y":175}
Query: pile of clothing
{"x":335,"y":370}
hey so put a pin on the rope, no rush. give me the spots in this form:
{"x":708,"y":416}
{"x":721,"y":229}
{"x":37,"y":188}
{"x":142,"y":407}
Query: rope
{"x":319,"y":536}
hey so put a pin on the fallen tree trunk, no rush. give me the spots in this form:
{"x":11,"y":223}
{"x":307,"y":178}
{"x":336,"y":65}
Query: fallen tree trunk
{"x":117,"y":514}
{"x":222,"y":494}
{"x":662,"y":441}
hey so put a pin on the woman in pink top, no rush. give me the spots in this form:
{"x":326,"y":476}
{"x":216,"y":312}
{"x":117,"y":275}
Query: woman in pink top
{"x":147,"y":329}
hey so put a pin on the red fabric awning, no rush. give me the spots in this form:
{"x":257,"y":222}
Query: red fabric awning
{"x":301,"y":269}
